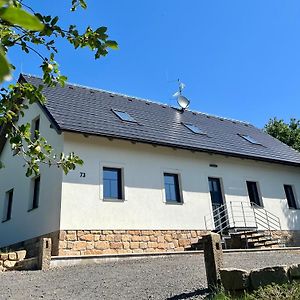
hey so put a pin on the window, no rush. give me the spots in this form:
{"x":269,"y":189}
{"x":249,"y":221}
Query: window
{"x":250,"y":139}
{"x":36,"y":193}
{"x":112,"y":183}
{"x":290,"y":197}
{"x":35,"y":127}
{"x":193,"y":128}
{"x":8,"y":205}
{"x":124,"y":116}
{"x":254,"y":193}
{"x":172,"y":190}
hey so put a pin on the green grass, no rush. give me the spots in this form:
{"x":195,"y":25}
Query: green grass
{"x":290,"y":291}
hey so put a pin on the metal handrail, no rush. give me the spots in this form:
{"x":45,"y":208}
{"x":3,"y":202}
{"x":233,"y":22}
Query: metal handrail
{"x":245,"y":214}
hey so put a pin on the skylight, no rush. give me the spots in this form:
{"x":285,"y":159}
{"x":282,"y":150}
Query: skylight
{"x":124,"y":116}
{"x":193,"y":128}
{"x":250,"y":139}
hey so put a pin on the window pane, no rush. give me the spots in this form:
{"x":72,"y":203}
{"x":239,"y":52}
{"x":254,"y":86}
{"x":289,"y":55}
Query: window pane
{"x":172,"y":188}
{"x":290,"y":196}
{"x":36,"y":193}
{"x":8,"y":206}
{"x":112,"y":187}
{"x":124,"y":116}
{"x":253,"y":193}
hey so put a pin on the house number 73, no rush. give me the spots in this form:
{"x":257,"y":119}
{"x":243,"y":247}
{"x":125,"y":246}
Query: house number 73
{"x":82,"y":174}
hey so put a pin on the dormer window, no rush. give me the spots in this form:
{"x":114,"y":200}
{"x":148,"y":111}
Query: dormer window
{"x":124,"y":116}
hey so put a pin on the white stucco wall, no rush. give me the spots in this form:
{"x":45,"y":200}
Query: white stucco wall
{"x":83,"y":206}
{"x":23,"y":224}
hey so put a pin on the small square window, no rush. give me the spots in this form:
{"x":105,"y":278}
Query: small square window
{"x":36,"y":182}
{"x":112,"y":183}
{"x":290,"y":196}
{"x":253,"y":193}
{"x":249,"y":139}
{"x":193,"y":128}
{"x":8,"y":201}
{"x":172,"y":190}
{"x":124,"y":116}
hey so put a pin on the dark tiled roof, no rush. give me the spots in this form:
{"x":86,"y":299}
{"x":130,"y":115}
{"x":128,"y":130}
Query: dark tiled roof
{"x":86,"y":110}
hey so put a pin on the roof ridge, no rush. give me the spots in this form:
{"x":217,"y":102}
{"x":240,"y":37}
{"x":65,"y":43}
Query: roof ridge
{"x":144,"y":99}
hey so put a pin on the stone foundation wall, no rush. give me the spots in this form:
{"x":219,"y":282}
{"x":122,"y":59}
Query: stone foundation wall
{"x":95,"y":242}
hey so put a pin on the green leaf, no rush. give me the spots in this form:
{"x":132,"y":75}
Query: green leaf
{"x":18,"y":16}
{"x":4,"y":67}
{"x":111,"y":44}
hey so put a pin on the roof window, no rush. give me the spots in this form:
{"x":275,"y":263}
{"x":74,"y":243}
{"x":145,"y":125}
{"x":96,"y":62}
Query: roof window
{"x":250,"y":139}
{"x":124,"y":116}
{"x":193,"y":128}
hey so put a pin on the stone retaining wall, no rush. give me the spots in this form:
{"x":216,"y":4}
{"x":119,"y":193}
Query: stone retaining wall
{"x":9,"y":260}
{"x":95,"y":242}
{"x":238,"y":279}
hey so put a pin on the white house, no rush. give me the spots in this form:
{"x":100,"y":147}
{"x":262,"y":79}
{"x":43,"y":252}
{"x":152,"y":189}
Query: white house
{"x":152,"y":176}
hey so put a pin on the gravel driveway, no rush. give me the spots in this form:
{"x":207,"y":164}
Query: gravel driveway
{"x":172,"y":277}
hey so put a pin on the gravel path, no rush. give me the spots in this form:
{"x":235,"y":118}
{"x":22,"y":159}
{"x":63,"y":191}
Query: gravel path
{"x":172,"y":278}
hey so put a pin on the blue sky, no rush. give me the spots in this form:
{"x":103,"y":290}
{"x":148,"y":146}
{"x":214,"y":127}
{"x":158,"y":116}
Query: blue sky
{"x":238,"y":59}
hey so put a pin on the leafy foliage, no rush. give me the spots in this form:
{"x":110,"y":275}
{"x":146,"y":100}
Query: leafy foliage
{"x":286,"y":133}
{"x":21,"y":26}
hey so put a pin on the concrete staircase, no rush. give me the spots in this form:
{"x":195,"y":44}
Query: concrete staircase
{"x":254,"y":239}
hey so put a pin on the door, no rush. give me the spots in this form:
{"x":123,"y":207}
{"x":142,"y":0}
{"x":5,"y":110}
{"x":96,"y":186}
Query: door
{"x":217,"y":200}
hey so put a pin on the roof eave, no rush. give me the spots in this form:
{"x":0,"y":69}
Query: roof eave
{"x":210,"y":151}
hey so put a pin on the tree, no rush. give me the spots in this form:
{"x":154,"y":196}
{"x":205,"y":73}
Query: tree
{"x":21,"y":26}
{"x":286,"y":133}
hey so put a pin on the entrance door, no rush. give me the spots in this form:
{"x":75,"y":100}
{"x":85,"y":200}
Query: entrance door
{"x":217,"y":200}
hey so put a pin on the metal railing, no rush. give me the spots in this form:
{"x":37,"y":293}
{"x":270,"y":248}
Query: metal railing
{"x":242,"y":215}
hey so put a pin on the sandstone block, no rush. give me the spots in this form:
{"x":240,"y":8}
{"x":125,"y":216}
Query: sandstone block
{"x":183,"y":242}
{"x":145,"y":238}
{"x":118,"y":238}
{"x":67,"y":252}
{"x":21,"y":254}
{"x":193,"y":234}
{"x":110,"y":251}
{"x":152,"y":244}
{"x":126,"y":237}
{"x":160,"y":239}
{"x":116,"y":245}
{"x":102,"y":245}
{"x":168,"y":238}
{"x":95,"y":232}
{"x":89,"y":245}
{"x":110,"y":237}
{"x":107,"y":232}
{"x":119,"y":231}
{"x":294,"y":271}
{"x":79,"y":245}
{"x":153,"y":238}
{"x":171,"y":246}
{"x":134,"y":232}
{"x":143,"y":245}
{"x":62,"y":244}
{"x":126,"y":245}
{"x":134,"y":245}
{"x":269,"y":275}
{"x":87,"y":237}
{"x":71,"y":236}
{"x":162,"y":246}
{"x":92,"y":252}
{"x":62,"y":235}
{"x":234,"y":279}
{"x":70,"y":245}
{"x":136,"y":238}
{"x":12,"y":256}
{"x":9,"y":263}
{"x":4,"y":256}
